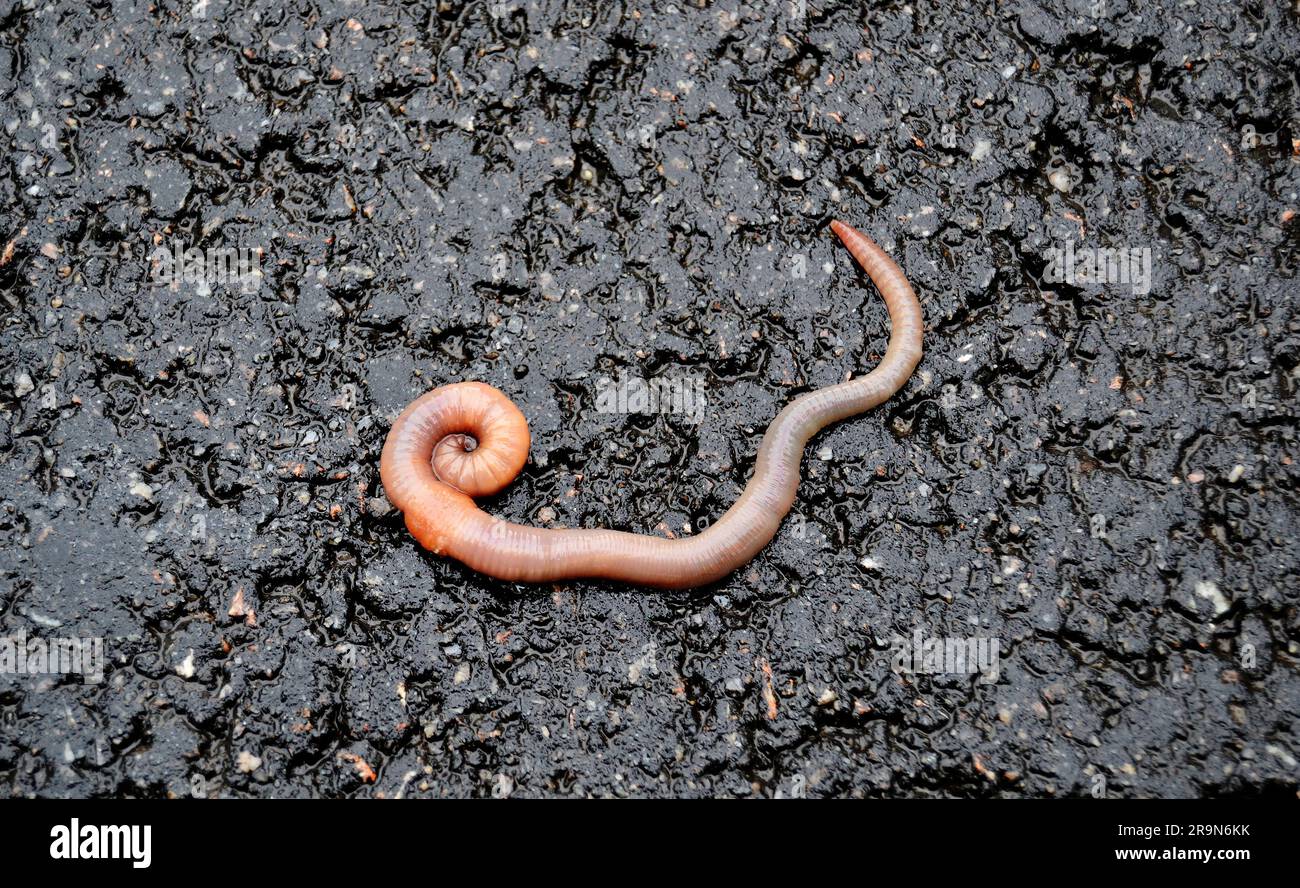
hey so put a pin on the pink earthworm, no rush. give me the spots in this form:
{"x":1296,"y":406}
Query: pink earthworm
{"x":468,"y":440}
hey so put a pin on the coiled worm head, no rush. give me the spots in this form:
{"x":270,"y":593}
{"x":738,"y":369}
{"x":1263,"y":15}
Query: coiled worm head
{"x":490,"y":444}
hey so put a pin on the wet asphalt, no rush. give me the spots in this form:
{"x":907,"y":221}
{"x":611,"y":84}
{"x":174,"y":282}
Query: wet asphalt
{"x":1090,"y":484}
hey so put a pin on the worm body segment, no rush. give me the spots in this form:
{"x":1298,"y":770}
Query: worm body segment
{"x":468,"y":440}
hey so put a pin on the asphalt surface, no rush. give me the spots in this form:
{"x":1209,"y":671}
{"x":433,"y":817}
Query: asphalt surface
{"x":1094,"y":479}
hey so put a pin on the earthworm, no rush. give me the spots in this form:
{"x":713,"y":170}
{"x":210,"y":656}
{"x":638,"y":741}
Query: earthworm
{"x":467,"y":440}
